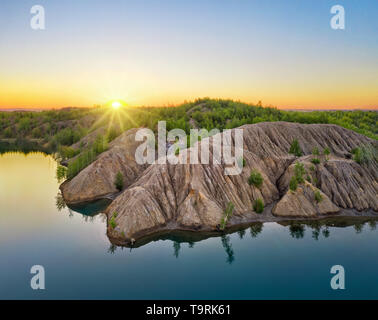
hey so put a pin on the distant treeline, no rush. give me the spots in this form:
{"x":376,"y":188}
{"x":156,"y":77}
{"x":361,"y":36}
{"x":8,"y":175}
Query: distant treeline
{"x":57,"y":130}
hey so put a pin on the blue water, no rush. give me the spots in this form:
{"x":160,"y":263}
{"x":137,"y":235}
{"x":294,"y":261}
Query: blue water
{"x":280,"y":262}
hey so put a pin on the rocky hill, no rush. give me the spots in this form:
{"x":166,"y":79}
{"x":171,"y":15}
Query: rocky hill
{"x":196,"y":196}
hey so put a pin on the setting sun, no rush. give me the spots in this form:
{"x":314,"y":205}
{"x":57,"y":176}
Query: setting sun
{"x":116,"y":105}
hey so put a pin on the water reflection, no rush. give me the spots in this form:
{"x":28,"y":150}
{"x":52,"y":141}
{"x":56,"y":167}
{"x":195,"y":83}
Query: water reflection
{"x":296,"y":229}
{"x":256,"y":228}
{"x":266,"y":261}
{"x":176,"y":248}
{"x":59,"y":202}
{"x":226,"y":243}
{"x":322,"y":227}
{"x":21,"y":145}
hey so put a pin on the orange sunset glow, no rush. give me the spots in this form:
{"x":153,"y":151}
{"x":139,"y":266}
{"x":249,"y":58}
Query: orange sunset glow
{"x":158,"y":56}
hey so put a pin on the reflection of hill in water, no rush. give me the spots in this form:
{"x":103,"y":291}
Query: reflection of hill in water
{"x":87,"y":209}
{"x":296,"y":228}
{"x":91,"y":209}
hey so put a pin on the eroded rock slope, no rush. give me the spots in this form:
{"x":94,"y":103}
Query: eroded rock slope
{"x":195,"y":196}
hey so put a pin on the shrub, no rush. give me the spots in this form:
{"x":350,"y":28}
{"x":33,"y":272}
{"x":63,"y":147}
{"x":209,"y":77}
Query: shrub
{"x":8,"y":132}
{"x":312,"y":168}
{"x":67,"y":152}
{"x":67,"y":136}
{"x":365,"y":154}
{"x":326,"y":152}
{"x":308,"y":178}
{"x":315,"y":161}
{"x":299,"y":171}
{"x":295,"y":148}
{"x":258,"y":205}
{"x":36,"y":133}
{"x":315,"y":151}
{"x":255,"y":179}
{"x":227,"y":215}
{"x":119,"y":181}
{"x":113,"y":223}
{"x":24,"y":125}
{"x":293,"y":185}
{"x":318,"y":196}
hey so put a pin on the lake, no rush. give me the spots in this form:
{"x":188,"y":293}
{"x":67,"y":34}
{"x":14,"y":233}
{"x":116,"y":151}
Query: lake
{"x":269,"y":261}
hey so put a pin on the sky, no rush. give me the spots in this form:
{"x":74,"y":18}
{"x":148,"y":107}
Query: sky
{"x":150,"y":52}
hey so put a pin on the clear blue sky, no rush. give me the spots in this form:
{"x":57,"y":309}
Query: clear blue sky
{"x":157,"y":52}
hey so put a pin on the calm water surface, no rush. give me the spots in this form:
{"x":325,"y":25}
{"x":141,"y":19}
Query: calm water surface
{"x":269,"y":261}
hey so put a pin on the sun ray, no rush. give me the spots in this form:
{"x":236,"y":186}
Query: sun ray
{"x":110,"y":123}
{"x":99,"y":120}
{"x":120,"y":122}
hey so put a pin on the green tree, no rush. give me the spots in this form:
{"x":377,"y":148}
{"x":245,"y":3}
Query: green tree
{"x":8,"y":132}
{"x":295,"y":148}
{"x":293,"y":185}
{"x":299,"y":171}
{"x":226,"y":215}
{"x":61,"y":173}
{"x":119,"y":183}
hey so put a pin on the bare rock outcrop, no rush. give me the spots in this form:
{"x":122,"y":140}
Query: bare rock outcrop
{"x":346,"y":183}
{"x":302,"y":203}
{"x":195,"y":196}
